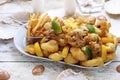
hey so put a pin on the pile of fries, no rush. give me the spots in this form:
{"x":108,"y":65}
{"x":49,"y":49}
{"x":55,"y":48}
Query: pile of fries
{"x":79,"y":40}
{"x":36,"y":23}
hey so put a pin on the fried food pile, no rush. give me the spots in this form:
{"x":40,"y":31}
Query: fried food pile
{"x":80,"y":40}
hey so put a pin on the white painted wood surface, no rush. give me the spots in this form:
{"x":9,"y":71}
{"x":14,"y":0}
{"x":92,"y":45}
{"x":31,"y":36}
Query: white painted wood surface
{"x":20,"y":66}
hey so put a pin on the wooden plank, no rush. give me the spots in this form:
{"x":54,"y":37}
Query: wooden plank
{"x":8,"y":52}
{"x":16,"y":6}
{"x":23,"y":71}
{"x":15,"y":56}
{"x":25,"y":5}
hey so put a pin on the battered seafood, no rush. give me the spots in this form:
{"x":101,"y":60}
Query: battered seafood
{"x":74,"y":40}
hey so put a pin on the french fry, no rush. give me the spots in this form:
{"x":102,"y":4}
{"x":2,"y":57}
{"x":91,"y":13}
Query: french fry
{"x":36,"y":27}
{"x":35,"y":21}
{"x":31,"y":25}
{"x":45,"y":19}
{"x":29,"y":28}
{"x":32,"y":16}
{"x":38,"y":33}
{"x":41,"y":28}
{"x":37,"y":15}
{"x":38,"y":24}
{"x":28,"y":31}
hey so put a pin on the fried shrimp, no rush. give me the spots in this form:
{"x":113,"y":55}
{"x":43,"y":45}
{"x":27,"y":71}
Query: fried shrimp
{"x":110,"y":56}
{"x":76,"y":38}
{"x":78,"y":54}
{"x":50,"y":46}
{"x":93,"y":62}
{"x":95,"y":48}
{"x":90,"y":19}
{"x":93,"y":38}
{"x":110,"y":47}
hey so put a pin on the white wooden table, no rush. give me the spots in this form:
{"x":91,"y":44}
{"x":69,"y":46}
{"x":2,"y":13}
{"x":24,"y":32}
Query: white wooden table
{"x":20,"y":66}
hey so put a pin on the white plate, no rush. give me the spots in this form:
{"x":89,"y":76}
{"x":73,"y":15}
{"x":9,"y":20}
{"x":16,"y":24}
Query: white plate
{"x":20,"y":42}
{"x":112,"y":7}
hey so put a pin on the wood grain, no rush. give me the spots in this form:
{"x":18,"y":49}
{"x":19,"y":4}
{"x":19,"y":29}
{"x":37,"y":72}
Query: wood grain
{"x":20,"y":66}
{"x":23,"y":71}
